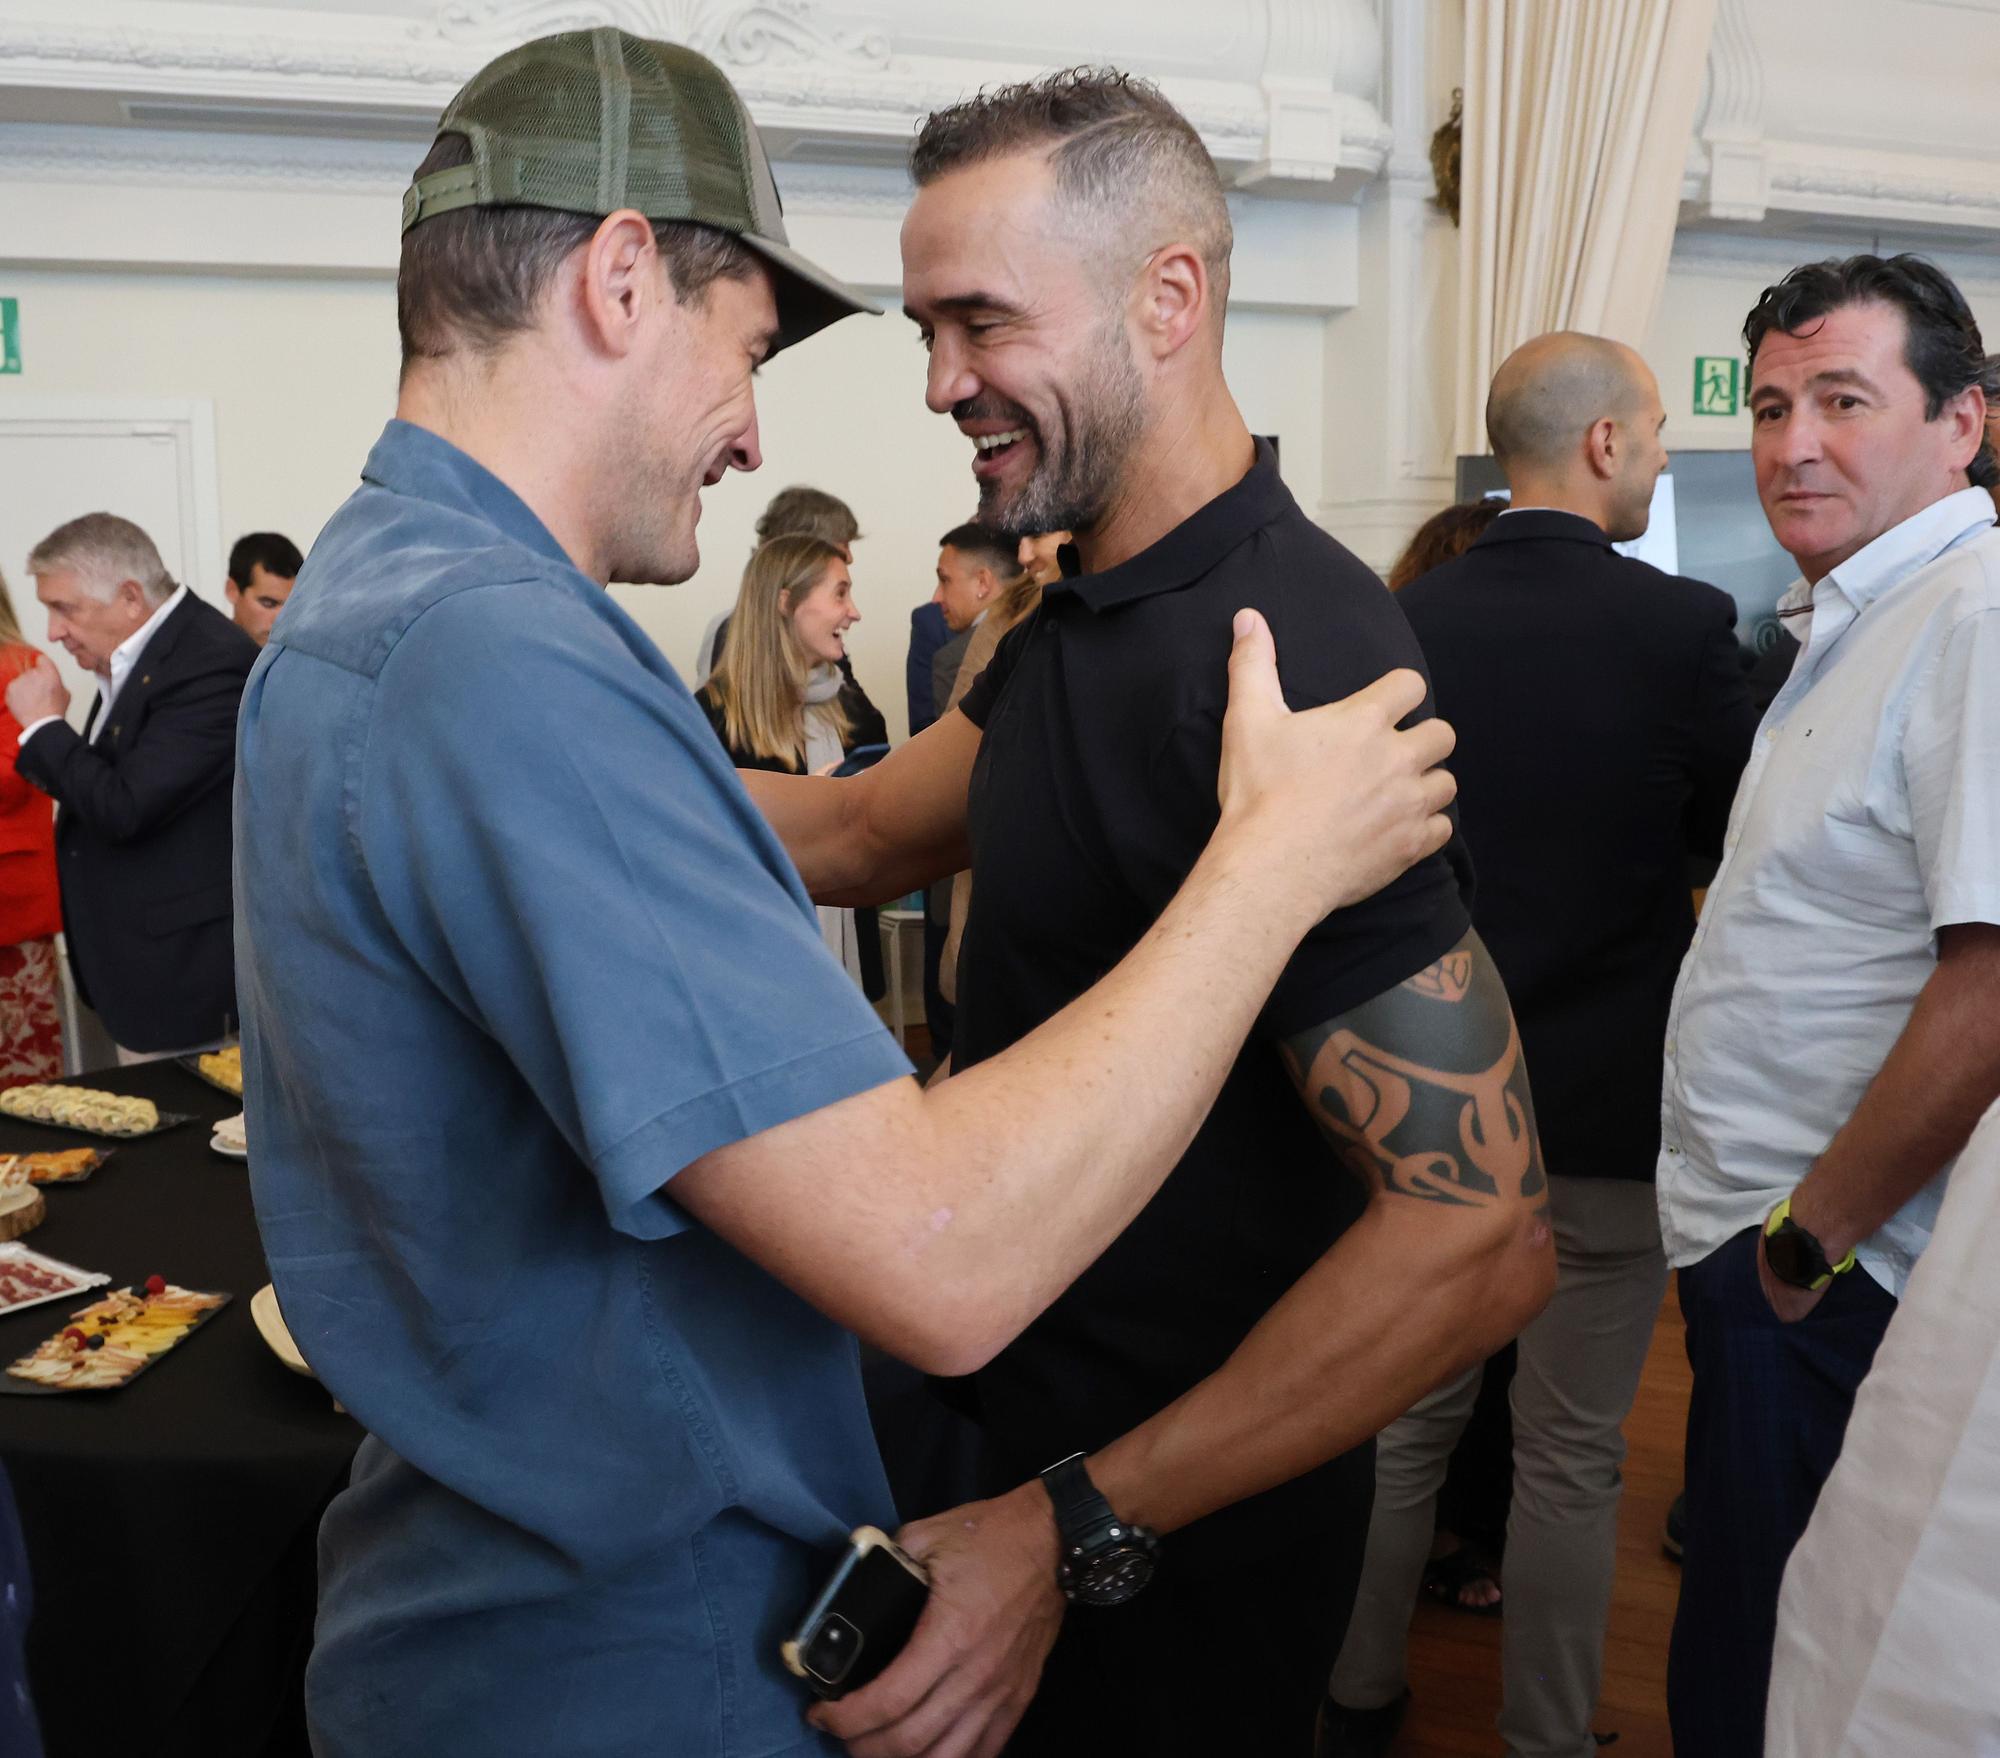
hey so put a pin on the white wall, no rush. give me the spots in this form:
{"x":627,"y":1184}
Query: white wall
{"x":302,"y":374}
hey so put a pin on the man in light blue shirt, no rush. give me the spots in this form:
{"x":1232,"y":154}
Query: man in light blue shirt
{"x":1835,"y":1033}
{"x":576,"y":1157}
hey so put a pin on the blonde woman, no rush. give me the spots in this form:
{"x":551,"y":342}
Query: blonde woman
{"x":775,"y":696}
{"x":30,"y":910}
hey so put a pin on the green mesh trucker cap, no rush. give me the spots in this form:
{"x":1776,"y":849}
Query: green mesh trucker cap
{"x":588,"y":122}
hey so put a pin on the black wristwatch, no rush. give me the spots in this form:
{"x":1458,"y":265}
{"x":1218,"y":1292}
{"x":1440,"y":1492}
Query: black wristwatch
{"x":1796,"y":1256}
{"x":1105,"y":1560}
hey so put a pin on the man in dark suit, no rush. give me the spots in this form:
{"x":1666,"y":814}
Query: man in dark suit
{"x":143,"y":792}
{"x":1603,"y":722}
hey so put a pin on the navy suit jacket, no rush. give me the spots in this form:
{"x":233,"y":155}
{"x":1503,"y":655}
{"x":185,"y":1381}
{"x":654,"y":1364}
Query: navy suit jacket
{"x":143,"y":838}
{"x":1603,"y":723}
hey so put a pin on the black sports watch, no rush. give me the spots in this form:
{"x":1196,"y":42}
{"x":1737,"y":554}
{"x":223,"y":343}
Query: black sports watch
{"x":1796,"y":1256}
{"x":1105,"y":1560}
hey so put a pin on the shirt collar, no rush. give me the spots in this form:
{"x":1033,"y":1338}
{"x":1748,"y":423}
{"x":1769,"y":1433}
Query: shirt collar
{"x":126,"y":654}
{"x":414,"y":462}
{"x":1192,"y":547}
{"x":1902,"y":550}
{"x":1526,"y":524}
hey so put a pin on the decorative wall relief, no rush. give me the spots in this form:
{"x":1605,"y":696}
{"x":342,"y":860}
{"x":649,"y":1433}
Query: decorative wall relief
{"x":736,"y":33}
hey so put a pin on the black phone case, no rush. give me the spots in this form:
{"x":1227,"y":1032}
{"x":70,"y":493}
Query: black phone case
{"x":864,"y":1615}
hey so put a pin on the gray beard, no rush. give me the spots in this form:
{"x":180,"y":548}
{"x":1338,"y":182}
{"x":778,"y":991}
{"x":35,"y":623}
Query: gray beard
{"x":1072,"y":490}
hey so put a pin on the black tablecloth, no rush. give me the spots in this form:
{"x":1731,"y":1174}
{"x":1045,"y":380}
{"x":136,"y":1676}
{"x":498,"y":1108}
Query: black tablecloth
{"x":169,"y":1525}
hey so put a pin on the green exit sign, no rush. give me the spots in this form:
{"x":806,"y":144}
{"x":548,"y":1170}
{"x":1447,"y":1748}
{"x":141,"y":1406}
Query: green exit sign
{"x":10,"y":335}
{"x":1717,"y":383}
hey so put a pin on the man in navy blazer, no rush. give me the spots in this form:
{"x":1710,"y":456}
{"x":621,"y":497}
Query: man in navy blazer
{"x":143,"y":792}
{"x":1603,"y":721}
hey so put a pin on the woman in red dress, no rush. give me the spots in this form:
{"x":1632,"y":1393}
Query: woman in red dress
{"x":30,"y":907}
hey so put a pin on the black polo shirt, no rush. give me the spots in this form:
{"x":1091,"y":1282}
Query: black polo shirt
{"x":1093,"y":794}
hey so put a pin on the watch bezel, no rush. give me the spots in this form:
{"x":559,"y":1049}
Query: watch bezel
{"x":1082,"y":1576}
{"x":1103,"y":1559}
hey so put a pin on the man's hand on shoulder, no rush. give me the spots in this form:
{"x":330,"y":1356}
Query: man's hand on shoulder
{"x":1334,"y":800}
{"x":37,"y":694}
{"x":971,"y":1667}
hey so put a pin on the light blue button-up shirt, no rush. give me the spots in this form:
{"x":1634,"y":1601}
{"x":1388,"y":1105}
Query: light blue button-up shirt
{"x":513,"y":948}
{"x":1868,"y":818}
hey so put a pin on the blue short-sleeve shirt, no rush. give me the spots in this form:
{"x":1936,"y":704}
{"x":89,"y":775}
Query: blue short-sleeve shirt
{"x":514,"y":947}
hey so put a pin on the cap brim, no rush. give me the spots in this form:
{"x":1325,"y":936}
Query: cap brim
{"x":808,"y":297}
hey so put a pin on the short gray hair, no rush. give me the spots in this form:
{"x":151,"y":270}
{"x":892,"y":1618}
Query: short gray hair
{"x":1127,"y":163}
{"x":103,"y":551}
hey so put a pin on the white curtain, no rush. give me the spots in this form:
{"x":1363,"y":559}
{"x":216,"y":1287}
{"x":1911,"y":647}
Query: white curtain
{"x":1578,"y":115}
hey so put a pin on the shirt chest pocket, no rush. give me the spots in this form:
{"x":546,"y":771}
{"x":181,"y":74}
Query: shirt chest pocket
{"x":1845,"y":830}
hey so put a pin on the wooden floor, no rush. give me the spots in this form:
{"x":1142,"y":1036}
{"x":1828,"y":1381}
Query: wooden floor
{"x":1455,"y":1659}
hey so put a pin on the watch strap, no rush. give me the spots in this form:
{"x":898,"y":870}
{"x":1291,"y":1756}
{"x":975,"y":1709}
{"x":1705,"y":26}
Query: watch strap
{"x":1083,"y":1516}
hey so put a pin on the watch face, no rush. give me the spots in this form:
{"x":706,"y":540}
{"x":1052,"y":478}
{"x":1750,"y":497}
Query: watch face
{"x":1792,"y":1257}
{"x":1113,"y":1576}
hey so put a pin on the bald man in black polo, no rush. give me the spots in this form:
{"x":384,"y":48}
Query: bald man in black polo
{"x":1361,"y":1212}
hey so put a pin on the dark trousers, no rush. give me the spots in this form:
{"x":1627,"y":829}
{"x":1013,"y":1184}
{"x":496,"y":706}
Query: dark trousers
{"x":1209,"y":1664}
{"x":938,"y":1012}
{"x":1765,"y":1423}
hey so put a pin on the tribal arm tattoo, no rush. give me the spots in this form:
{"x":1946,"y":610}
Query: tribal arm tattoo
{"x":1423,"y":1091}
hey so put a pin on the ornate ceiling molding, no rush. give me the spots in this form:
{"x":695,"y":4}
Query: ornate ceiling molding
{"x":1741,"y":172}
{"x":1883,"y":187}
{"x":101,"y":55}
{"x":811,"y":70}
{"x":152,"y":159}
{"x":736,"y":33}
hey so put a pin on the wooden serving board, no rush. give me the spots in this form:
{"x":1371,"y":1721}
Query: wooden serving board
{"x":21,"y":1213}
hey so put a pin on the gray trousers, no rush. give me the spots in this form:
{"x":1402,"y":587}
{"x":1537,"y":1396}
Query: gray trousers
{"x":1578,"y":1374}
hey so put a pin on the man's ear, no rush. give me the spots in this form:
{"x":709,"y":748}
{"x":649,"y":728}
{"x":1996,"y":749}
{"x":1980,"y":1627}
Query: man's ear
{"x":1603,"y":448}
{"x":1967,"y":414}
{"x":620,"y":276}
{"x":133,"y":597}
{"x":232,"y":589}
{"x":1173,"y":298}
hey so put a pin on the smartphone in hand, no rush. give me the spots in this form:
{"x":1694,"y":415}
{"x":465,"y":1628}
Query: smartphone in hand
{"x":862,"y":1617}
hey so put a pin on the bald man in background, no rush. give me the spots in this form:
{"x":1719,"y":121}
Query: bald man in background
{"x":1603,"y":723}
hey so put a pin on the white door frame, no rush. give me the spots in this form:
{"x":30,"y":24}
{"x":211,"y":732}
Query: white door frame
{"x":188,"y":421}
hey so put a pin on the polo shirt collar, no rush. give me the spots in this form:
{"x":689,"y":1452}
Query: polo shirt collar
{"x":1902,"y":550}
{"x":414,"y":462}
{"x":1192,"y":548}
{"x":1532,"y":524}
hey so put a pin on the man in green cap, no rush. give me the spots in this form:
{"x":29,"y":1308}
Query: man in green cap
{"x":577,"y":1159}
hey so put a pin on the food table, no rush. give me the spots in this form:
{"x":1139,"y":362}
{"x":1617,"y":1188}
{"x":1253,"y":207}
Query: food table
{"x":170,"y":1524}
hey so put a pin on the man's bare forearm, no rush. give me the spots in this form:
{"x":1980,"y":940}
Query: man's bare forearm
{"x":882,"y":834}
{"x":937,"y":1224}
{"x":983,"y":1221}
{"x":1934,"y":1086}
{"x":1423,"y":1093}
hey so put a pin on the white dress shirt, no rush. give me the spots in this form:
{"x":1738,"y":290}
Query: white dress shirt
{"x":123,"y":658}
{"x":1889,"y":1623}
{"x":1868,"y":818}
